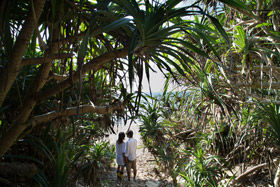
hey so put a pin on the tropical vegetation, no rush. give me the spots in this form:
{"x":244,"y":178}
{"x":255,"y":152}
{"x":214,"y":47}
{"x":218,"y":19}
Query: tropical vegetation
{"x":71,"y":70}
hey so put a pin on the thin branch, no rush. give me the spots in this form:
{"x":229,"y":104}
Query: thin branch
{"x":263,"y":101}
{"x":273,"y":85}
{"x":70,"y":39}
{"x":73,"y":38}
{"x":242,"y":23}
{"x":268,"y":69}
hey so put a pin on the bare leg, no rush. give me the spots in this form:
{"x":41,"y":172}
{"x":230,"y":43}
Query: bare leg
{"x":128,"y":170}
{"x":134,"y":172}
{"x":128,"y":174}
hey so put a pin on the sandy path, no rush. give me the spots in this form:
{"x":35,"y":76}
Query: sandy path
{"x":146,"y":176}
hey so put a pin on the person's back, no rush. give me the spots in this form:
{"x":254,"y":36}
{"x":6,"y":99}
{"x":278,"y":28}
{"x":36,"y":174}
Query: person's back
{"x":120,"y":147}
{"x":120,"y":157}
{"x":130,"y":154}
{"x":131,"y":149}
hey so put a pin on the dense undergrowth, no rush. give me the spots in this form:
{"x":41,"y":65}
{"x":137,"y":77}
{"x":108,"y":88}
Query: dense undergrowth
{"x":197,"y":146}
{"x":58,"y":157}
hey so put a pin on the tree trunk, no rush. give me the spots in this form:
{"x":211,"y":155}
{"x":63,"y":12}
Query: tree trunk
{"x":12,"y":69}
{"x":17,"y":127}
{"x":20,"y":123}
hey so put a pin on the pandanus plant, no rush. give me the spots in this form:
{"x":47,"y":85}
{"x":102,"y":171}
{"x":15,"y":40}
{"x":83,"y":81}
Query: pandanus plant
{"x":157,"y":31}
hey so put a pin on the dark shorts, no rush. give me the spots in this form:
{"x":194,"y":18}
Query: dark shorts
{"x":131,"y":164}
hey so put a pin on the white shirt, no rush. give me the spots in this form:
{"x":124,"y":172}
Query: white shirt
{"x":120,"y":149}
{"x":130,"y":150}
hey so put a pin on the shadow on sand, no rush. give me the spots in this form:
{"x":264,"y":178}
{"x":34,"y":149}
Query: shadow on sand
{"x":110,"y":179}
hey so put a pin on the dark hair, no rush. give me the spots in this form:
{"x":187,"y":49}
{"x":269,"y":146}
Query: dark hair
{"x":130,"y":133}
{"x":121,"y":137}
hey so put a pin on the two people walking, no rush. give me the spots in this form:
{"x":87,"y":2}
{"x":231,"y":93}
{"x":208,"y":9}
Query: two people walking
{"x":126,"y":155}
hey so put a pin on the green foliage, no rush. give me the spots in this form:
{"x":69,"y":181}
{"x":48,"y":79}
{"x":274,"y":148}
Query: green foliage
{"x":270,"y":114}
{"x":156,"y":130}
{"x":99,"y":156}
{"x":60,"y":157}
{"x":201,"y":169}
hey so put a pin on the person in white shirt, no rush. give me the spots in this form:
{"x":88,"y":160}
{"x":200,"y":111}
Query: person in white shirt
{"x":130,"y":155}
{"x":120,"y":155}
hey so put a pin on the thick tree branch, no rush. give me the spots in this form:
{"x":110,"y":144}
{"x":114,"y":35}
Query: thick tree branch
{"x":57,"y":77}
{"x":95,"y":64}
{"x":82,"y":110}
{"x":41,"y":60}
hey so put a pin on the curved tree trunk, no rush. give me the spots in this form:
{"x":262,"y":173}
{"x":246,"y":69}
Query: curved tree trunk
{"x":20,"y":124}
{"x":10,"y":72}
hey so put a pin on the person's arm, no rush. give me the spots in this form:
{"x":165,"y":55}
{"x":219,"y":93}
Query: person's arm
{"x":126,"y":151}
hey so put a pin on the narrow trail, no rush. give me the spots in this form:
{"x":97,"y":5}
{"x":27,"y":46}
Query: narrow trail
{"x":147,"y":176}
